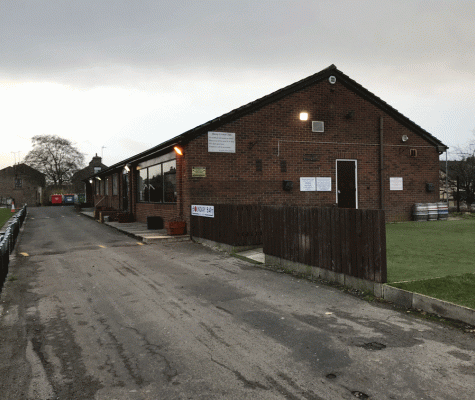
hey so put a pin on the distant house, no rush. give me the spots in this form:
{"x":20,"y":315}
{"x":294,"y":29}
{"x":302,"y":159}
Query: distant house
{"x":80,"y":181}
{"x":324,"y":141}
{"x":23,"y":184}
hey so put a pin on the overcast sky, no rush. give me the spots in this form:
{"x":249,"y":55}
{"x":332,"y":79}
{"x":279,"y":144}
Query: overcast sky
{"x":118,"y":77}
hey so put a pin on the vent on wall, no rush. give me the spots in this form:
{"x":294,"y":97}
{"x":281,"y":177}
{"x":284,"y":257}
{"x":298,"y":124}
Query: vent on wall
{"x":318,"y":126}
{"x":413,"y":152}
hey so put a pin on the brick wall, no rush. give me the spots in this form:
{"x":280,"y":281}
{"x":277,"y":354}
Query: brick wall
{"x":273,"y":144}
{"x":275,"y":134}
{"x":30,"y":192}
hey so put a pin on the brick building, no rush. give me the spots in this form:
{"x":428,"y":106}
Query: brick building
{"x":323,"y":141}
{"x":23,"y":184}
{"x":80,"y":180}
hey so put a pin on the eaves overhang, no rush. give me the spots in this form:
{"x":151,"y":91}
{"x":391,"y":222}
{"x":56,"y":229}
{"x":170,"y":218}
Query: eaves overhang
{"x":302,"y":84}
{"x":143,"y":156}
{"x":253,"y":106}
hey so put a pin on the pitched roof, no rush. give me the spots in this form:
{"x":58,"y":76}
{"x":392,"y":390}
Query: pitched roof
{"x":26,"y":171}
{"x":22,"y":169}
{"x":275,"y":96}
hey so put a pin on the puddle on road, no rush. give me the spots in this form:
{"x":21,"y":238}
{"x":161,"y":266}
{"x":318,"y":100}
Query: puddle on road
{"x":373,"y":346}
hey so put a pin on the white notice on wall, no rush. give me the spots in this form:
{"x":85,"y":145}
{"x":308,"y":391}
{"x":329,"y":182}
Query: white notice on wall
{"x":307,"y":185}
{"x":395,"y":183}
{"x":324,"y":184}
{"x":202,"y":211}
{"x":221,"y":142}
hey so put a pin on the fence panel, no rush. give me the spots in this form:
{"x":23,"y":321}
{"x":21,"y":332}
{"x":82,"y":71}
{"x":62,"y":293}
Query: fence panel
{"x":235,"y":225}
{"x":352,"y":242}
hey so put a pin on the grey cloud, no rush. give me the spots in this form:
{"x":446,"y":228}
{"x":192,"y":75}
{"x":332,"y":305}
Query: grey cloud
{"x":92,"y":42}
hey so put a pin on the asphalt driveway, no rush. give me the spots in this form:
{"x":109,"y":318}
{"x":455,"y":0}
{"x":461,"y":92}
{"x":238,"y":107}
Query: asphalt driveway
{"x":89,"y":313}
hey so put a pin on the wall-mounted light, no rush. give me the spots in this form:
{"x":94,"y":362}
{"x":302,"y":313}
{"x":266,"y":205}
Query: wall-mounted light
{"x":98,"y":178}
{"x":178,"y":150}
{"x":404,"y":138}
{"x":90,"y":180}
{"x":127,"y":167}
{"x":303,"y":116}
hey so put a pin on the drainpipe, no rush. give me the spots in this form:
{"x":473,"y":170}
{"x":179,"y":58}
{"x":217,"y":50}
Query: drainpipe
{"x":447,"y":176}
{"x":381,"y":166}
{"x":181,"y":191}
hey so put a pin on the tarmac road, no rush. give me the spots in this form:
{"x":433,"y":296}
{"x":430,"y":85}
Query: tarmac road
{"x":88,"y":313}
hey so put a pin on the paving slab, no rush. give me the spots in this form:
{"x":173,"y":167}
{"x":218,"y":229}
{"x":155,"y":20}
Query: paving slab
{"x":255,"y":254}
{"x":139,"y":231}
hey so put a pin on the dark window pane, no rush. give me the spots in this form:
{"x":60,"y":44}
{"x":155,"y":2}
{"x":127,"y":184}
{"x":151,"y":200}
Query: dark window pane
{"x":115,"y":185}
{"x":155,"y":183}
{"x":169,"y":175}
{"x":142,"y":185}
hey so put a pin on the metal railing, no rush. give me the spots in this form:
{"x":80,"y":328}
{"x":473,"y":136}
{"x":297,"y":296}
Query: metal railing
{"x":8,"y":240}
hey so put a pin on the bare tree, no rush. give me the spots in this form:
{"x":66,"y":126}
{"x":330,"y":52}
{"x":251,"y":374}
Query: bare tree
{"x":462,"y":172}
{"x":55,"y":157}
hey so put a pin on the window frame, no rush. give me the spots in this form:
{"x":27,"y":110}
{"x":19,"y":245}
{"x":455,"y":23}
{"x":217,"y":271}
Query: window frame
{"x":115,"y":185}
{"x":147,"y":195}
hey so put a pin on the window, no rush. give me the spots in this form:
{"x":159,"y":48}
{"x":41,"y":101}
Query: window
{"x":115,"y":185}
{"x":157,"y":183}
{"x":97,"y":169}
{"x":101,"y":183}
{"x":106,"y":187}
{"x":142,"y":185}
{"x":96,"y":182}
{"x":18,"y":183}
{"x":169,"y":181}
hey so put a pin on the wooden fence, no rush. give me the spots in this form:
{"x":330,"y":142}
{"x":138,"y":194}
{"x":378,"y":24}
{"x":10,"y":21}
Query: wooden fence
{"x":346,"y":241}
{"x":235,"y":225}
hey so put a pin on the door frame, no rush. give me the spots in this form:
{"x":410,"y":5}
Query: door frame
{"x":356,"y":179}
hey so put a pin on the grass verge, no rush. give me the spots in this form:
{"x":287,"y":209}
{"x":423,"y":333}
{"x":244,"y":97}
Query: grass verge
{"x":426,"y":250}
{"x":455,"y":289}
{"x":5,"y":214}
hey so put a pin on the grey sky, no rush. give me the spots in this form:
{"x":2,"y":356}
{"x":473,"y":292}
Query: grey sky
{"x":191,"y":61}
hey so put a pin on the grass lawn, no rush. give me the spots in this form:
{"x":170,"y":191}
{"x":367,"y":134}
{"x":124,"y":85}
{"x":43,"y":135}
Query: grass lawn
{"x":5,"y":214}
{"x":432,"y":249}
{"x":438,"y":258}
{"x":456,"y":289}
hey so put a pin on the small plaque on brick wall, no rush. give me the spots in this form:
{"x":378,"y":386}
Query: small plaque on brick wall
{"x":221,"y":142}
{"x":198,"y":172}
{"x":395,"y":183}
{"x":324,"y":184}
{"x":307,"y":184}
{"x":310,"y":157}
